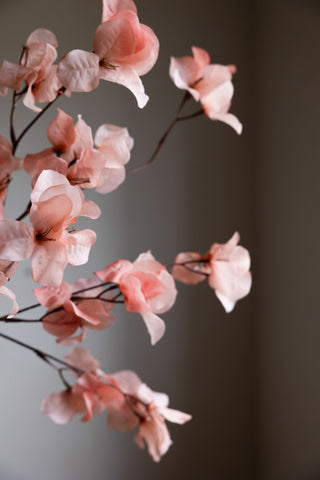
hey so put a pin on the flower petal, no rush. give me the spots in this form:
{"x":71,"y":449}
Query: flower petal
{"x":78,"y":71}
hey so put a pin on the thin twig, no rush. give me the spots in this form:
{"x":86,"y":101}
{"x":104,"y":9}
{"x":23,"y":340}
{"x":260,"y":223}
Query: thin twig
{"x":36,"y":118}
{"x":186,"y":97}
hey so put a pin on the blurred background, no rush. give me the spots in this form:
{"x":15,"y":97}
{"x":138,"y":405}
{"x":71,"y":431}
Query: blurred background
{"x":251,"y":379}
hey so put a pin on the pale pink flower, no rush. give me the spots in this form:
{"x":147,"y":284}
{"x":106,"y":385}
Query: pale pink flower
{"x":130,"y":402}
{"x":84,"y":312}
{"x":147,"y":288}
{"x":101,"y":168}
{"x":55,"y":206}
{"x":209,"y":83}
{"x":141,"y":406}
{"x":36,"y":68}
{"x":226,"y":266}
{"x":124,"y":50}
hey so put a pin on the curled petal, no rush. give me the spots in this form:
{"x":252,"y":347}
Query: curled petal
{"x":114,"y":271}
{"x":112,"y":7}
{"x":155,"y":326}
{"x":8,"y":293}
{"x":175,"y":416}
{"x":127,"y":76}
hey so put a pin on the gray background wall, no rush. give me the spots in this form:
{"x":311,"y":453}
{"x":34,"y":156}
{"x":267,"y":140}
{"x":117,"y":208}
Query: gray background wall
{"x":250,"y":379}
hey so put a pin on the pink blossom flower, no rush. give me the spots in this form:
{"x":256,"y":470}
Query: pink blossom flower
{"x":226,"y":266}
{"x":147,"y":288}
{"x":124,"y":50}
{"x":209,"y":83}
{"x":55,"y":206}
{"x":83,"y":312}
{"x":35,"y":68}
{"x":102,"y":168}
{"x":130,"y":402}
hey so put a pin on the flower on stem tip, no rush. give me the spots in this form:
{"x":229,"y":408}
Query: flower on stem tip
{"x":130,"y":403}
{"x":209,"y":83}
{"x":147,"y":288}
{"x":226,"y":266}
{"x":124,"y":49}
{"x":35,"y":68}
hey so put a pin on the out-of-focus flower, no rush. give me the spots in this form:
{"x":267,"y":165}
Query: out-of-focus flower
{"x":209,"y":83}
{"x":147,"y":288}
{"x":130,"y":402}
{"x":226,"y":266}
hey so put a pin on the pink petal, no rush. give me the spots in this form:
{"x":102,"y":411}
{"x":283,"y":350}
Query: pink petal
{"x":12,"y":74}
{"x":114,"y":271}
{"x":50,"y":216}
{"x":175,"y":416}
{"x":8,"y":293}
{"x":112,"y":7}
{"x":162,"y":302}
{"x":87,"y":171}
{"x":116,"y":138}
{"x":78,"y":71}
{"x":111,"y":178}
{"x":201,"y":57}
{"x":121,"y":416}
{"x":155,"y":326}
{"x":127,"y":380}
{"x":96,"y":313}
{"x":227,"y":118}
{"x":61,"y":407}
{"x":127,"y":76}
{"x":135,"y":301}
{"x":78,"y":254}
{"x":46,"y":179}
{"x":16,"y":240}
{"x":156,"y":435}
{"x":53,"y":297}
{"x":61,"y":324}
{"x":81,"y":358}
{"x":49,"y":260}
{"x":61,"y":133}
{"x":146,"y":56}
{"x":42,"y":35}
{"x":183,"y":72}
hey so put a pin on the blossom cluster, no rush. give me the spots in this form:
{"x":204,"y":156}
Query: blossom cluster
{"x":76,"y":160}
